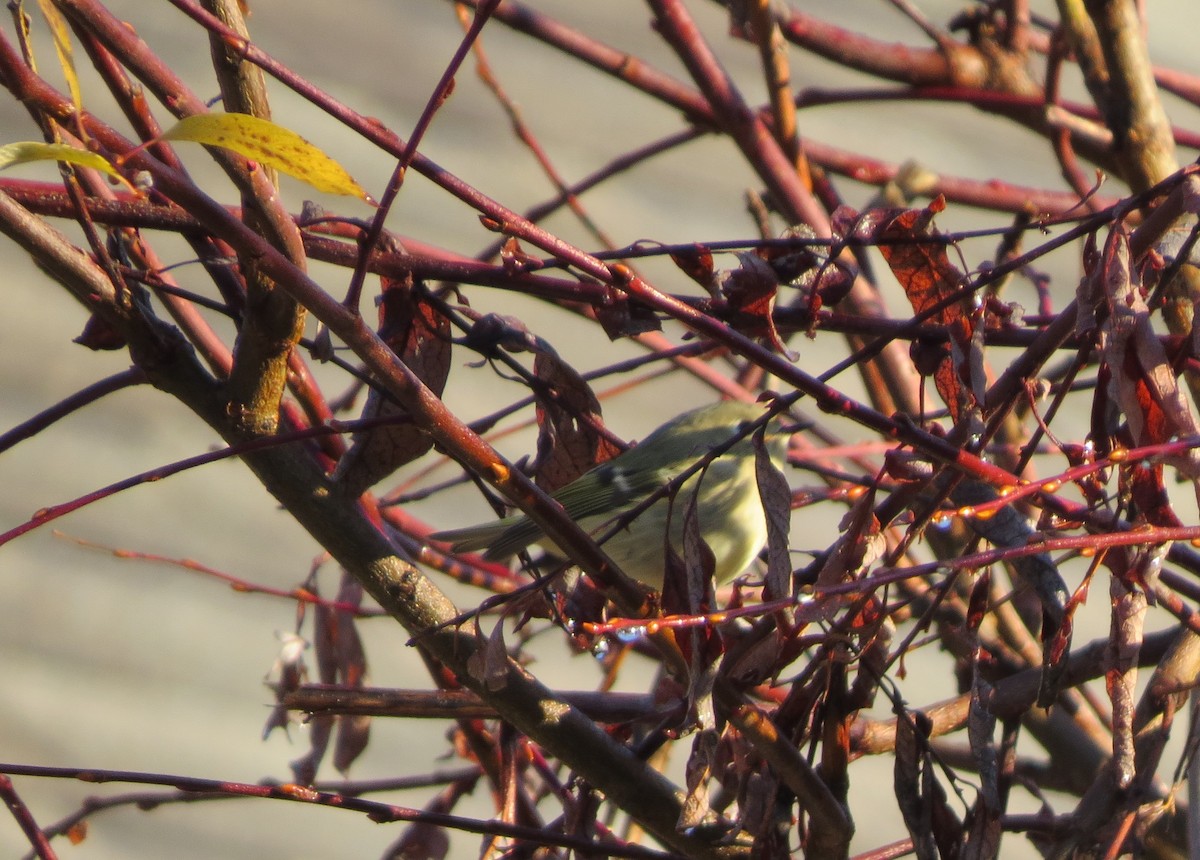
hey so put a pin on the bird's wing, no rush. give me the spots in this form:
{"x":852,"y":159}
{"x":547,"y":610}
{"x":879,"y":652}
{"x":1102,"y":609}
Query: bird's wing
{"x":608,"y":489}
{"x":615,"y":486}
{"x":473,"y":538}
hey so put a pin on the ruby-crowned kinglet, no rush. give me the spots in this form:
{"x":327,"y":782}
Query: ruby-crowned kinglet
{"x":731,"y":518}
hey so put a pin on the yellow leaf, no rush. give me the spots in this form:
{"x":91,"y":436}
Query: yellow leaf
{"x":62,"y":45}
{"x":271,"y":144}
{"x":26,"y":151}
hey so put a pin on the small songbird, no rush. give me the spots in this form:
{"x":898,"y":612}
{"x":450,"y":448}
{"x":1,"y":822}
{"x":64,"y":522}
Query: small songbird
{"x":730,"y":511}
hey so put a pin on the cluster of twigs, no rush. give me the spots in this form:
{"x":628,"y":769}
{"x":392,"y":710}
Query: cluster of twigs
{"x":994,"y":441}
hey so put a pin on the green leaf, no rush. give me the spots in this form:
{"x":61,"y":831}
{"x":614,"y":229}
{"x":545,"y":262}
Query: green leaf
{"x":271,"y":144}
{"x":62,"y":46}
{"x":26,"y":151}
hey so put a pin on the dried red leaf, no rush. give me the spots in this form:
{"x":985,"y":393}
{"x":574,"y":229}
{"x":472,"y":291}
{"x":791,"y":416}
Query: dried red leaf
{"x":569,"y":441}
{"x":930,"y":281}
{"x":859,"y":544}
{"x":934,"y":827}
{"x":978,"y":606}
{"x":424,"y":840}
{"x":698,"y":559}
{"x":352,"y":660}
{"x":1149,"y":493}
{"x":304,"y":769}
{"x":754,"y":662}
{"x":1057,"y":627}
{"x":353,"y":732}
{"x":906,"y":777}
{"x":947,"y":828}
{"x":1140,"y":378}
{"x":986,"y":827}
{"x":873,"y":660}
{"x":688,"y":586}
{"x":1120,"y":676}
{"x":419,"y":334}
{"x":697,"y":773}
{"x":981,"y":724}
{"x":749,"y":292}
{"x":758,"y":812}
{"x":697,"y":263}
{"x":421,"y":841}
{"x":1089,"y":292}
{"x":835,"y":733}
{"x":353,"y":736}
{"x":621,"y":317}
{"x":325,"y":638}
{"x":99,"y":334}
{"x":341,"y":660}
{"x":776,"y":498}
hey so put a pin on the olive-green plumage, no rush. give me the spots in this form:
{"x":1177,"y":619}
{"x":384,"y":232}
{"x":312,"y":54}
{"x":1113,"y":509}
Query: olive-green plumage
{"x":730,"y":511}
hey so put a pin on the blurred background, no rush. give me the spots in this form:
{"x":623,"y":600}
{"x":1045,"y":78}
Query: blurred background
{"x":124,"y":664}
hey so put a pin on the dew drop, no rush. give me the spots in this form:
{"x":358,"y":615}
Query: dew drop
{"x":629,"y":635}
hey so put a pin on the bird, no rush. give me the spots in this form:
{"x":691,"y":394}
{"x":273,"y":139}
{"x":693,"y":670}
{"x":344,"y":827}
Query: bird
{"x":730,"y":511}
